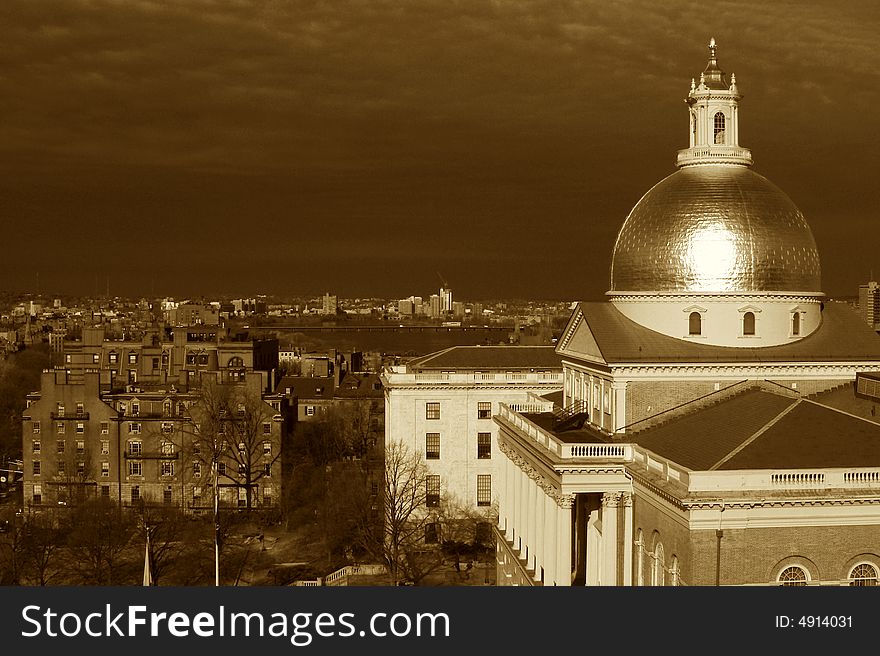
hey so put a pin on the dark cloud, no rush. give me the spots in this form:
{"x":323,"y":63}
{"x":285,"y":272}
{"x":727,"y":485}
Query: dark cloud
{"x":363,"y":145}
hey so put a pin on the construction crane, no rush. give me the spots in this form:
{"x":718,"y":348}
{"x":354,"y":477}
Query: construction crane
{"x":443,"y":280}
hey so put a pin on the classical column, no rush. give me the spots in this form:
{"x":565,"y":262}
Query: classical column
{"x":523,"y":512}
{"x":531,"y":524}
{"x":517,"y":506}
{"x":511,"y":496}
{"x":540,"y":533}
{"x":610,"y":502}
{"x":551,"y":539}
{"x":626,"y":500}
{"x":563,"y":536}
{"x":618,"y":408}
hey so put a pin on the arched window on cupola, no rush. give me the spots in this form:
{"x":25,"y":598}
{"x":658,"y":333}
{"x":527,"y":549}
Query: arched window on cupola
{"x":796,"y":323}
{"x":719,"y":127}
{"x":695,"y":324}
{"x":749,"y":323}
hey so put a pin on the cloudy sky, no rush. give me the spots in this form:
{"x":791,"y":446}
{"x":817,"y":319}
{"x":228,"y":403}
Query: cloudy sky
{"x":362,"y":146}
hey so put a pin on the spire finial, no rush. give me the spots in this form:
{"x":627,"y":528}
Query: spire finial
{"x":712,"y":49}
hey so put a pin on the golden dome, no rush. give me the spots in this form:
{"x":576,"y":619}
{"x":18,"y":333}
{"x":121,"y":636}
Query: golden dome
{"x":715,"y":228}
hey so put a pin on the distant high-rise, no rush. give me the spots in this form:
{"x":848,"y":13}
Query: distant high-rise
{"x":869,"y":303}
{"x":435,"y":305}
{"x":445,"y":299}
{"x":329,"y":304}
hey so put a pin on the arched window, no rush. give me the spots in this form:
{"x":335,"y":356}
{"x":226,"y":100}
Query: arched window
{"x":235,"y":363}
{"x":674,"y":571}
{"x":719,"y":127}
{"x":695,"y":324}
{"x":863,"y":574}
{"x":793,"y":575}
{"x":658,"y":573}
{"x":749,"y":323}
{"x":796,"y":323}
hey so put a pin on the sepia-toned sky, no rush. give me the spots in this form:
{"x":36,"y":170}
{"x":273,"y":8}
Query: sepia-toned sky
{"x":362,"y":147}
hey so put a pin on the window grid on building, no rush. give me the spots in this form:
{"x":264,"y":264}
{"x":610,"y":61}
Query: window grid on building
{"x":793,"y":576}
{"x":484,"y":410}
{"x":484,"y":489}
{"x":432,"y":410}
{"x":484,"y":445}
{"x":432,"y":490}
{"x":863,"y":574}
{"x":135,"y":468}
{"x":432,"y":446}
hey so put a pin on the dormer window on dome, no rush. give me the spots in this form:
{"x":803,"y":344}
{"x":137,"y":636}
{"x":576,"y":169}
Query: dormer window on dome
{"x":719,"y":128}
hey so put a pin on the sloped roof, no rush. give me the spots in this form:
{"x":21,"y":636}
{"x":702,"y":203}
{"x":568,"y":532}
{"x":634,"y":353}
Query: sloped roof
{"x":842,"y":336}
{"x":480,"y":358}
{"x":308,"y":387}
{"x":758,"y":429}
{"x":360,"y":386}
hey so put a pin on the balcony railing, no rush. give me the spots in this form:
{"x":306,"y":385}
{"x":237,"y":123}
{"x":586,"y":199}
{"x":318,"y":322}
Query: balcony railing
{"x":714,"y":153}
{"x":803,"y":479}
{"x":521,"y":378}
{"x":80,"y":416}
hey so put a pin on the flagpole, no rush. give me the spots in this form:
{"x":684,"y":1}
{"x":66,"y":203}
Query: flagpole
{"x":216,"y":528}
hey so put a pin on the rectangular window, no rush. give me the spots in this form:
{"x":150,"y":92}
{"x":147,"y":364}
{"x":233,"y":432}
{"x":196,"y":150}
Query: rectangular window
{"x":80,"y":447}
{"x":96,"y":359}
{"x":134,"y":447}
{"x":59,"y":428}
{"x":155,"y":363}
{"x":38,"y":495}
{"x":105,"y":491}
{"x":432,"y":410}
{"x":36,"y":467}
{"x":432,"y":533}
{"x":167,"y":448}
{"x":432,"y":446}
{"x":80,"y":428}
{"x":60,"y":409}
{"x":484,"y":445}
{"x":267,"y":428}
{"x":197,"y":470}
{"x":135,"y":409}
{"x":484,"y":489}
{"x":167,"y":427}
{"x":221,"y":468}
{"x":267,"y":471}
{"x":61,"y":467}
{"x":267,"y":448}
{"x":135,"y":468}
{"x":80,"y":408}
{"x":432,"y":491}
{"x":105,"y":468}
{"x":167,"y":468}
{"x":80,"y":469}
{"x":135,"y":494}
{"x":36,"y":427}
{"x":113,"y":358}
{"x":310,"y":411}
{"x":167,"y":496}
{"x":37,"y":445}
{"x":105,"y":428}
{"x":134,"y":428}
{"x":484,"y":410}
{"x":132,"y":358}
{"x":105,"y":447}
{"x":60,"y":444}
{"x":197,"y":493}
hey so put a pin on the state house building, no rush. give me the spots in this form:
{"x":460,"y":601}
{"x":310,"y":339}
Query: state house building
{"x":720,"y":419}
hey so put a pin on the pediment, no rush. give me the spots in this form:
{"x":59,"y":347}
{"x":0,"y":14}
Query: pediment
{"x":578,"y":341}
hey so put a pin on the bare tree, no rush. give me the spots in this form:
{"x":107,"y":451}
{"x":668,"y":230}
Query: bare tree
{"x":395,"y":535}
{"x":99,"y":537}
{"x":44,"y":540}
{"x":232,"y":435}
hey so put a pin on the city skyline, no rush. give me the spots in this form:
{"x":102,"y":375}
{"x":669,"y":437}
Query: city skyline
{"x":194,"y":148}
